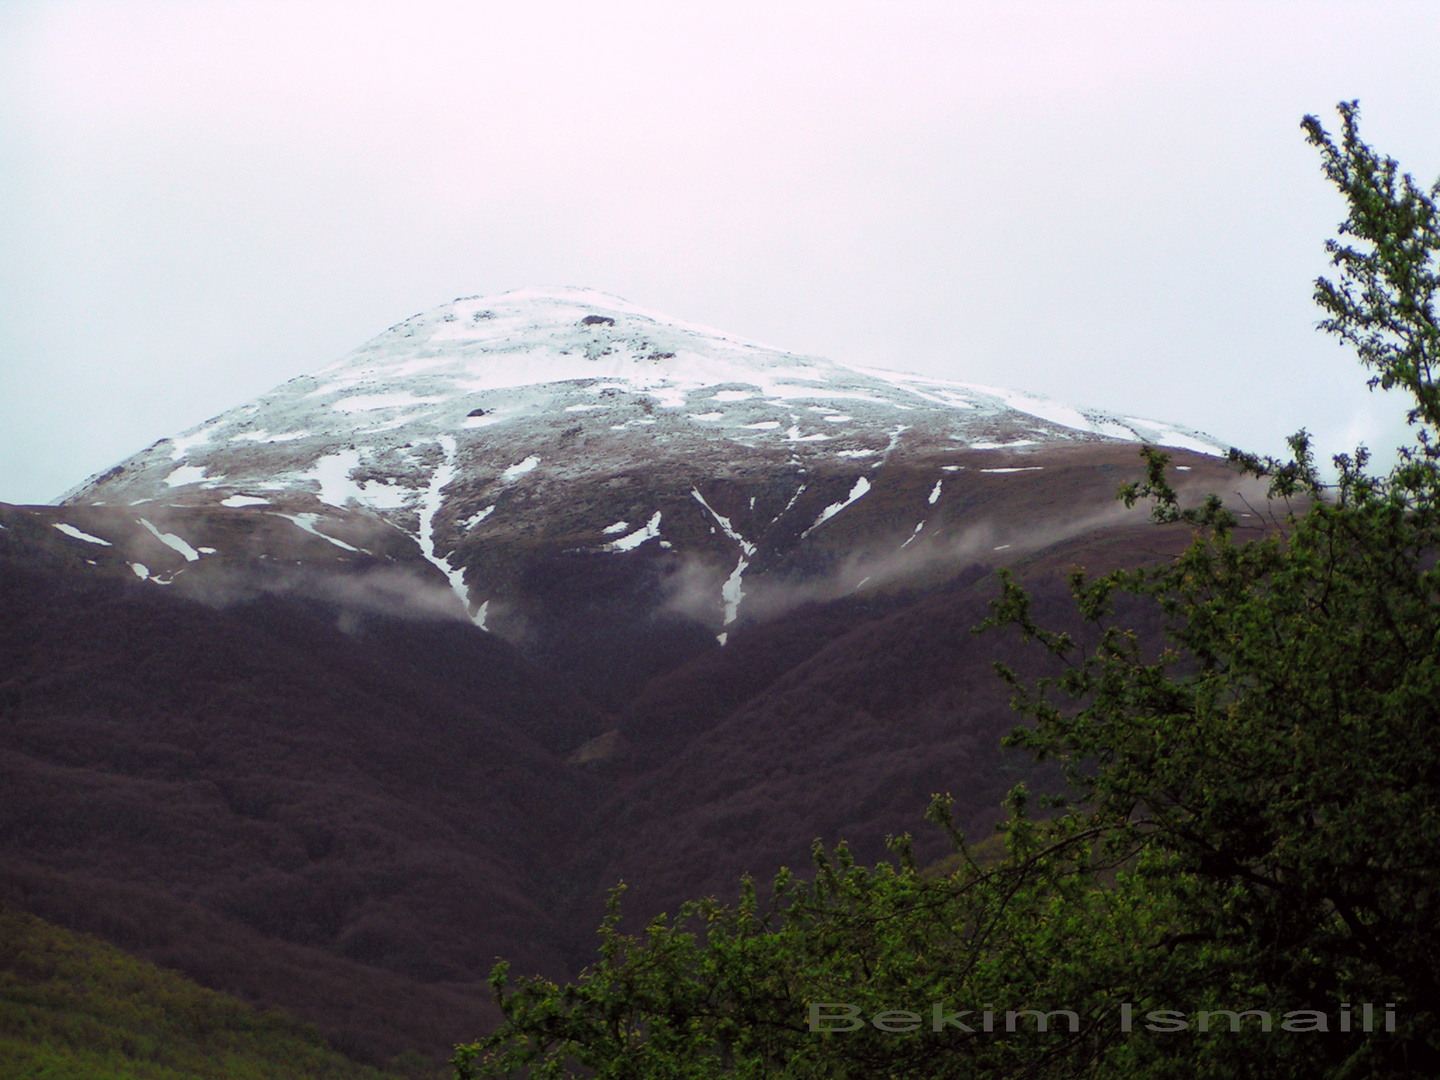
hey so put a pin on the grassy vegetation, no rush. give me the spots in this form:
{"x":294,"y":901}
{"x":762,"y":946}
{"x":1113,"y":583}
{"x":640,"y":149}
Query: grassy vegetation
{"x":74,"y":1008}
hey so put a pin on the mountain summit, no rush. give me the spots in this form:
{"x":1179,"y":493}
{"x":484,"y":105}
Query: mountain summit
{"x":492,"y":373}
{"x":563,"y":422}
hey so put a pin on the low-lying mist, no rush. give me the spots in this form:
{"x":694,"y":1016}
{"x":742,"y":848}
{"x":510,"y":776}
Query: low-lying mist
{"x":942,"y":548}
{"x":389,"y":591}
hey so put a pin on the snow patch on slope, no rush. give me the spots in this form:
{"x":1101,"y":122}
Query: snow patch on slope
{"x":185,"y":474}
{"x":862,"y":485}
{"x":337,"y":488}
{"x":263,"y":436}
{"x":172,"y":541}
{"x":732,"y":592}
{"x":429,"y":506}
{"x":76,"y":534}
{"x":514,"y":472}
{"x":307,"y":522}
{"x":181,"y":444}
{"x":371,"y":402}
{"x":475,"y":519}
{"x":649,"y":531}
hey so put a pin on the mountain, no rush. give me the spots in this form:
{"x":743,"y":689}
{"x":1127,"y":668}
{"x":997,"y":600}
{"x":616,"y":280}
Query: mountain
{"x":340,"y":695}
{"x":524,"y":441}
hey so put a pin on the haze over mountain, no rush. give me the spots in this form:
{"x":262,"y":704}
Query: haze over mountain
{"x":401,"y":666}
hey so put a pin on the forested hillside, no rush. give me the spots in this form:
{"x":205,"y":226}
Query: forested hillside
{"x":75,"y":1008}
{"x":1244,"y":877}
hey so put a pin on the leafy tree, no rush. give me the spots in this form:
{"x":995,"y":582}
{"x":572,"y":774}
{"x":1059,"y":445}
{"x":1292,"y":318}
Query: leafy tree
{"x":1255,"y":820}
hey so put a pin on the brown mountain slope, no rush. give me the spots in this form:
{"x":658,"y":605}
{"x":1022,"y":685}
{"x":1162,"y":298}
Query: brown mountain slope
{"x":296,"y":810}
{"x":889,"y":702}
{"x":265,"y":780}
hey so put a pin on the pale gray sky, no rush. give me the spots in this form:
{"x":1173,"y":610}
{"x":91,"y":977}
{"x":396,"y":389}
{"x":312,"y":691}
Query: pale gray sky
{"x":1110,"y":203}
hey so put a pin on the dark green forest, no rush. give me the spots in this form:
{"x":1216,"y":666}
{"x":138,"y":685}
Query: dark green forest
{"x":1245,"y":877}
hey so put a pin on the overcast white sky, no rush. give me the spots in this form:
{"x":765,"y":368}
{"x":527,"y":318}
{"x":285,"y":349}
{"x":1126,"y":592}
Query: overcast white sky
{"x":1110,"y":203}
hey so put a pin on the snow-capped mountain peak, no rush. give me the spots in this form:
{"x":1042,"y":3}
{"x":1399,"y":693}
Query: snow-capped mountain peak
{"x":571,"y":420}
{"x":498,"y":362}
